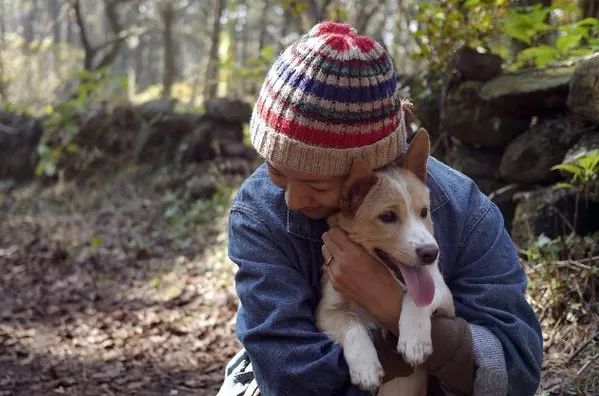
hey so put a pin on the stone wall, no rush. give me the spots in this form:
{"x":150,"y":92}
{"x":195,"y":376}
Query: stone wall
{"x":151,"y":133}
{"x":506,"y":131}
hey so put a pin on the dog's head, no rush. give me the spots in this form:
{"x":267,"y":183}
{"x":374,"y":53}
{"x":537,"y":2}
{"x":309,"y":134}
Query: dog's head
{"x":388,"y":212}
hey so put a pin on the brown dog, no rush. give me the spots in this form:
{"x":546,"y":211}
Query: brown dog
{"x":387,"y":212}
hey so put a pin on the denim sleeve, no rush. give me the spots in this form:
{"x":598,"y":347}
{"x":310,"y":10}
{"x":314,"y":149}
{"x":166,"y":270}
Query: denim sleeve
{"x":275,"y":319}
{"x":488,"y":285}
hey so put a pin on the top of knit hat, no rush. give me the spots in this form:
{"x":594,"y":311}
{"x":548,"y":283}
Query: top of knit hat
{"x":332,"y":93}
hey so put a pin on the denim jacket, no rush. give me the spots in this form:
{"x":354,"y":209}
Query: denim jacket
{"x":278,"y":252}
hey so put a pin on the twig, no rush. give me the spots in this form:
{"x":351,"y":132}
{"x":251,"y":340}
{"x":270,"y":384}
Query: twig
{"x":584,"y":344}
{"x":584,"y":260}
{"x":587,"y":364}
{"x":502,"y":190}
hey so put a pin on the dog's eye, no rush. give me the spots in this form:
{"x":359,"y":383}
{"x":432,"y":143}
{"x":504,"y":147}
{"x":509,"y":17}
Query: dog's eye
{"x":388,"y":217}
{"x":424,"y":212}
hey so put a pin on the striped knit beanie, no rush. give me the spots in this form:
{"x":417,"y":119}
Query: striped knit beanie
{"x":330,"y":98}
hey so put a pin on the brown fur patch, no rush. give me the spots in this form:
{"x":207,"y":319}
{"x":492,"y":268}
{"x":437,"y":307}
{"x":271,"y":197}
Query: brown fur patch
{"x":361,"y":178}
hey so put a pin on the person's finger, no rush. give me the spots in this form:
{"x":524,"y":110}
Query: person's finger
{"x":325,"y":252}
{"x":332,"y":246}
{"x":338,"y":236}
{"x":330,"y":275}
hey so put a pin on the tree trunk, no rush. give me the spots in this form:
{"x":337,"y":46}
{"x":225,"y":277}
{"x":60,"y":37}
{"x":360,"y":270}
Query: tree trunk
{"x":103,"y":55}
{"x":364,"y":16}
{"x":263,"y":24}
{"x":213,"y":60}
{"x":204,"y":16}
{"x":287,"y":21}
{"x":54,"y":13}
{"x":590,"y":8}
{"x":167,"y":15}
{"x":3,"y":87}
{"x":29,"y":24}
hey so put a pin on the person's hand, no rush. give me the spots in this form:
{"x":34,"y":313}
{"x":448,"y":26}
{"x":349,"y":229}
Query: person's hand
{"x":359,"y":277}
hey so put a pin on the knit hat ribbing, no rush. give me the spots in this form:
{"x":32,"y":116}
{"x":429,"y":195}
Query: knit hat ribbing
{"x":330,"y":98}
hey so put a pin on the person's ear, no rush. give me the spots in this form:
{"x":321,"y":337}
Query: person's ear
{"x":361,"y":178}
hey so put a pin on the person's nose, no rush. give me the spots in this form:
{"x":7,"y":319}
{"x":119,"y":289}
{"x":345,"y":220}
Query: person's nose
{"x":296,"y":196}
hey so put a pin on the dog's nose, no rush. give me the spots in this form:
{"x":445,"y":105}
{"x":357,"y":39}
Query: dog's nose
{"x":427,"y":253}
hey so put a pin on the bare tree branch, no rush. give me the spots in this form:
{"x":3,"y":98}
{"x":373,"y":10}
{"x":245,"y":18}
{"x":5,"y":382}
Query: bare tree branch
{"x":87,"y":47}
{"x":110,"y":48}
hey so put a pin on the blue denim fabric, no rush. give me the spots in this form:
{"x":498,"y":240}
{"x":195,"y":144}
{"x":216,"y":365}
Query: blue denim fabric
{"x":278,"y":253}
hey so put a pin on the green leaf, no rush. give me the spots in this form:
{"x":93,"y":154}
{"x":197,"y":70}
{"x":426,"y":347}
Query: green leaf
{"x":97,"y":241}
{"x":541,"y":55}
{"x":570,"y":168}
{"x":564,"y":185}
{"x":590,"y":22}
{"x":567,"y":42}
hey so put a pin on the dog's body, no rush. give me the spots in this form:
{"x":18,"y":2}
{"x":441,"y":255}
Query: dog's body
{"x":387,"y":212}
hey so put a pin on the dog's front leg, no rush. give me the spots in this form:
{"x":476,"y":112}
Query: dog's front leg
{"x":345,"y":327}
{"x":414,"y":341}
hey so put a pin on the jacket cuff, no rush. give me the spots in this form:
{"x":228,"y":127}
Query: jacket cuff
{"x":491,"y":372}
{"x":452,"y":360}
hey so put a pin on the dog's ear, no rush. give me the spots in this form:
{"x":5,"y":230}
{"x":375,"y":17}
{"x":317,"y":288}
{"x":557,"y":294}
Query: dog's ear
{"x":415,"y":158}
{"x":361,"y":178}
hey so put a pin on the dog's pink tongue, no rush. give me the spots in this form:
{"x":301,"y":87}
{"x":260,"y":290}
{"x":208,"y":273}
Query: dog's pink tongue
{"x":420,"y":284}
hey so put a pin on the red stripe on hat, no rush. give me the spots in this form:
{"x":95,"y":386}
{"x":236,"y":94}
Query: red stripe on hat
{"x":335,"y":27}
{"x":364,"y":43}
{"x":338,"y":42}
{"x":321,"y":137}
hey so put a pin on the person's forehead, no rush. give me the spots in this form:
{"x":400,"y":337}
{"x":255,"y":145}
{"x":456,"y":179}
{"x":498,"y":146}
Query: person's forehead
{"x":302,"y":176}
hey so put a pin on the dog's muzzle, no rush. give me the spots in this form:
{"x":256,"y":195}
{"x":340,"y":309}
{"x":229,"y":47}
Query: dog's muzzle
{"x":391,"y":264}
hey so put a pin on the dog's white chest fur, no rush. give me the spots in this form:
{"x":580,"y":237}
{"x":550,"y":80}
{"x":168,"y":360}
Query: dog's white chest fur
{"x":349,"y":324}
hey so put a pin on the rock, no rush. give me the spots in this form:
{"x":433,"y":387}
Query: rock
{"x":19,"y":138}
{"x":476,"y":122}
{"x":476,"y":163}
{"x":160,"y":141}
{"x":551,"y":212}
{"x":234,"y":166}
{"x":230,"y":110}
{"x":472,"y":65}
{"x":502,"y":195}
{"x":201,"y":187}
{"x":427,"y":111}
{"x":529,"y":158}
{"x":197,"y":146}
{"x":583,"y":98}
{"x":156,"y":108}
{"x":529,"y":93}
{"x":237,"y":149}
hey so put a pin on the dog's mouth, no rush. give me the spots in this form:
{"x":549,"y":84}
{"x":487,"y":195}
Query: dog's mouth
{"x":417,"y":280}
{"x":391,"y":264}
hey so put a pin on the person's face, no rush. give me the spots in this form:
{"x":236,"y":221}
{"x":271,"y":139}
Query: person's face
{"x":316,"y":197}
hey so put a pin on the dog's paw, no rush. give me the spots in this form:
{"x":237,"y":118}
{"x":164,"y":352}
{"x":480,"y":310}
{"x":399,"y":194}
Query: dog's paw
{"x":415,"y":350}
{"x":367,"y":375}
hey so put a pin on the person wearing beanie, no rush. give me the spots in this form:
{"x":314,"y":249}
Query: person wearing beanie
{"x":331,"y":98}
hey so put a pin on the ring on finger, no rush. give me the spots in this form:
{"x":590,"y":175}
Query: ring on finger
{"x":329,"y":261}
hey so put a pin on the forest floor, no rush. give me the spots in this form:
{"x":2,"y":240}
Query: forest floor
{"x":122,"y":286}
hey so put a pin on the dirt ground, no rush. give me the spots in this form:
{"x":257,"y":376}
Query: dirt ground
{"x":108,"y":288}
{"x":99,"y":294}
